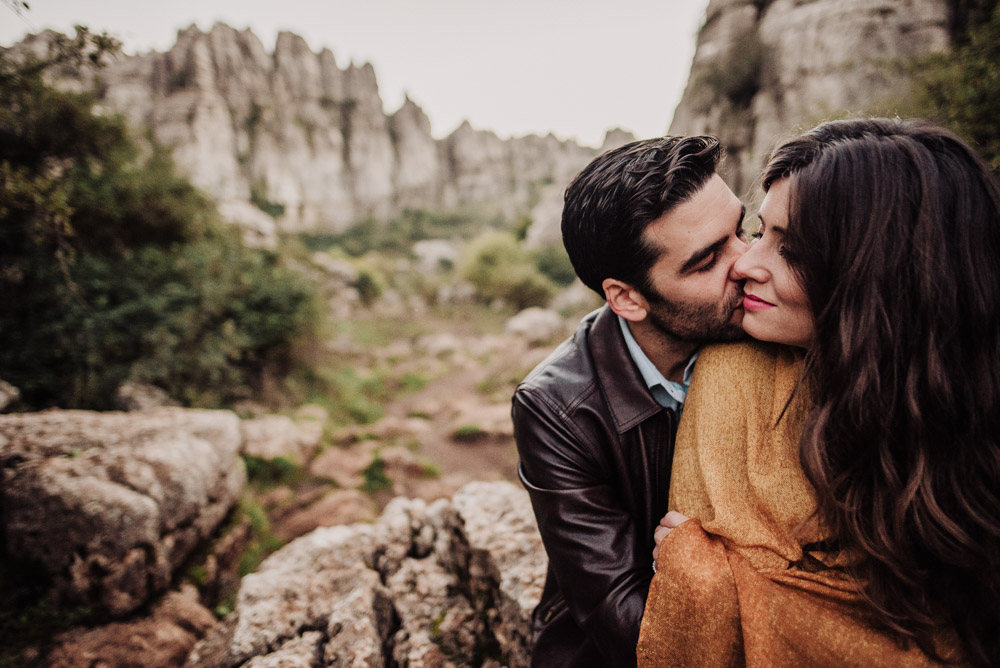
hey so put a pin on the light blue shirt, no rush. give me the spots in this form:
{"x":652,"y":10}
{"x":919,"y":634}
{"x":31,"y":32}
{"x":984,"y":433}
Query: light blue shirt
{"x":666,"y":392}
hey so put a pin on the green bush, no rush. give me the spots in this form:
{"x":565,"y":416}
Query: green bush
{"x":961,"y":89}
{"x":554,"y":262}
{"x":500,"y":269}
{"x":114,"y":267}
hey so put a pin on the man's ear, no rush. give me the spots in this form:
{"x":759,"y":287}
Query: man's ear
{"x":625,"y":300}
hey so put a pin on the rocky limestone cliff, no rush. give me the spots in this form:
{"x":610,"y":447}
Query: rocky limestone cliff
{"x":764,"y":68}
{"x":292,"y":133}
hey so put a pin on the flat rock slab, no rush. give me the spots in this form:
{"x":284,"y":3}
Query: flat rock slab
{"x":111,"y":504}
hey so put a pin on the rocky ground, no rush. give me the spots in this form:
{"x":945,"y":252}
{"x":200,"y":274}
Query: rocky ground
{"x":126,"y":512}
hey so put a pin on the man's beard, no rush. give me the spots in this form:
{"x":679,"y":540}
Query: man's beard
{"x":695,"y":322}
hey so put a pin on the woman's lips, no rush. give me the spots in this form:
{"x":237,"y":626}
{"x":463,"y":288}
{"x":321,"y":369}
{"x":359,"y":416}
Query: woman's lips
{"x":751,"y":303}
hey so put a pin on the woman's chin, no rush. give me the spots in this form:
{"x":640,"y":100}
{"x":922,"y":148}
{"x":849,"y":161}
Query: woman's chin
{"x":774,"y":332}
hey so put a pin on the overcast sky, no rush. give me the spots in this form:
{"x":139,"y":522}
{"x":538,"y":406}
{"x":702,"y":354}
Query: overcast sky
{"x":571,"y":67}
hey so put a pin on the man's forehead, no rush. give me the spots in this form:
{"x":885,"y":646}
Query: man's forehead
{"x":708,"y":215}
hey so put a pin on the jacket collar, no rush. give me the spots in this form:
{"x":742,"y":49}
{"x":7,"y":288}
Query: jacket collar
{"x":625,"y":391}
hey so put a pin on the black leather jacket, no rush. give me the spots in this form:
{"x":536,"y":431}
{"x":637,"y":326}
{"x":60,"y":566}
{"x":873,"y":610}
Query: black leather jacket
{"x":596,"y":450}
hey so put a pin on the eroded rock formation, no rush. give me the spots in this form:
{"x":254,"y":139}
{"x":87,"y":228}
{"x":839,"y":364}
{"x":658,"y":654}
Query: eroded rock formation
{"x":764,"y":68}
{"x":449,"y":583}
{"x":293,"y":134}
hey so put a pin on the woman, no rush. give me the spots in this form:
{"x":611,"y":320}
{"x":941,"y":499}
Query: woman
{"x":851,"y":515}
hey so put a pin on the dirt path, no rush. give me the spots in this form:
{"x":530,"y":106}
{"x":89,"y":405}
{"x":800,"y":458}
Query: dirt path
{"x":488,"y":457}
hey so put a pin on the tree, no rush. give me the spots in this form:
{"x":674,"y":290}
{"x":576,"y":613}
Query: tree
{"x":113,"y":266}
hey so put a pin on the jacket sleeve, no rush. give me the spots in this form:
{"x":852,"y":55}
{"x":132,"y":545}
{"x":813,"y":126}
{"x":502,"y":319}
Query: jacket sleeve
{"x":588,"y":533}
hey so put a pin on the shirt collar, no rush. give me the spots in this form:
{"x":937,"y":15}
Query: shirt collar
{"x":675,"y":393}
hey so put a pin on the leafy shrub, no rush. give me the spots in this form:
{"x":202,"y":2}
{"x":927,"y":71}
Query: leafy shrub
{"x":961,"y":89}
{"x":116,"y":267}
{"x":500,"y":269}
{"x":554,"y":262}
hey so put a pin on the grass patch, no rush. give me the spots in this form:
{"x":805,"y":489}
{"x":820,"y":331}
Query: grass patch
{"x":411,"y":382}
{"x":378,"y":333}
{"x":375,"y":479}
{"x":262,"y":540}
{"x":468,"y":432}
{"x":347,"y":396}
{"x":264,"y":474}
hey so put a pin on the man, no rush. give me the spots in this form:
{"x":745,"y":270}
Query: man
{"x":655,"y":231}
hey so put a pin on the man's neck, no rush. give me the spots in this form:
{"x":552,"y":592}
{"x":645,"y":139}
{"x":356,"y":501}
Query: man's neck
{"x":668,"y":354}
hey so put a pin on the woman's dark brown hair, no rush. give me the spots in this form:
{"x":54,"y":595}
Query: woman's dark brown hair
{"x":894,"y":233}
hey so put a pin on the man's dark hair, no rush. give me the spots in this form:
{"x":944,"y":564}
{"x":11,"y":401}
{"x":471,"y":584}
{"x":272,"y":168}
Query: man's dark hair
{"x":611,"y":202}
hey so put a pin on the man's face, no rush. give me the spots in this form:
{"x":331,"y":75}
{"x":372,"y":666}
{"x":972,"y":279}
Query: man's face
{"x":694,"y":296}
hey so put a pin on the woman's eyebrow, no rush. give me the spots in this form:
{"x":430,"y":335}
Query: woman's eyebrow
{"x":771,"y":228}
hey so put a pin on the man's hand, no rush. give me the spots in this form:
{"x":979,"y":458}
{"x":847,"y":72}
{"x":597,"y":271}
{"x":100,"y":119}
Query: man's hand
{"x":669,"y":522}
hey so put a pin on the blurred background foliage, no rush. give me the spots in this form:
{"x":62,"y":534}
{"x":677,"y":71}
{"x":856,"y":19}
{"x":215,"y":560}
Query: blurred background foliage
{"x":113,"y":267}
{"x":961,"y":89}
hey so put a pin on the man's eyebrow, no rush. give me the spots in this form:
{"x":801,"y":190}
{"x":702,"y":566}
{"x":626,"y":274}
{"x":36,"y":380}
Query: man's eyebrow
{"x":700,"y":255}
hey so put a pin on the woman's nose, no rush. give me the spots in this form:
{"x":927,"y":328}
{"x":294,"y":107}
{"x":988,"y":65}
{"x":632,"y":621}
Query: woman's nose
{"x":749,"y":266}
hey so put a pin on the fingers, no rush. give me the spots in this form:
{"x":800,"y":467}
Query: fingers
{"x":673,"y":519}
{"x":670,"y":521}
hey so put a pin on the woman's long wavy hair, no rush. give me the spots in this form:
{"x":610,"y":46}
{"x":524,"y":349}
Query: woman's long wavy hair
{"x":894,"y":234}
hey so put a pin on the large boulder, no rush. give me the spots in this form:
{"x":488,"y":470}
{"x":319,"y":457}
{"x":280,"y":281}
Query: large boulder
{"x":109,"y":505}
{"x":450,"y":583}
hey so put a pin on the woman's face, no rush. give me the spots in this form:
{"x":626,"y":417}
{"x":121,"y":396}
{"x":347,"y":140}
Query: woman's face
{"x":774,"y":303}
